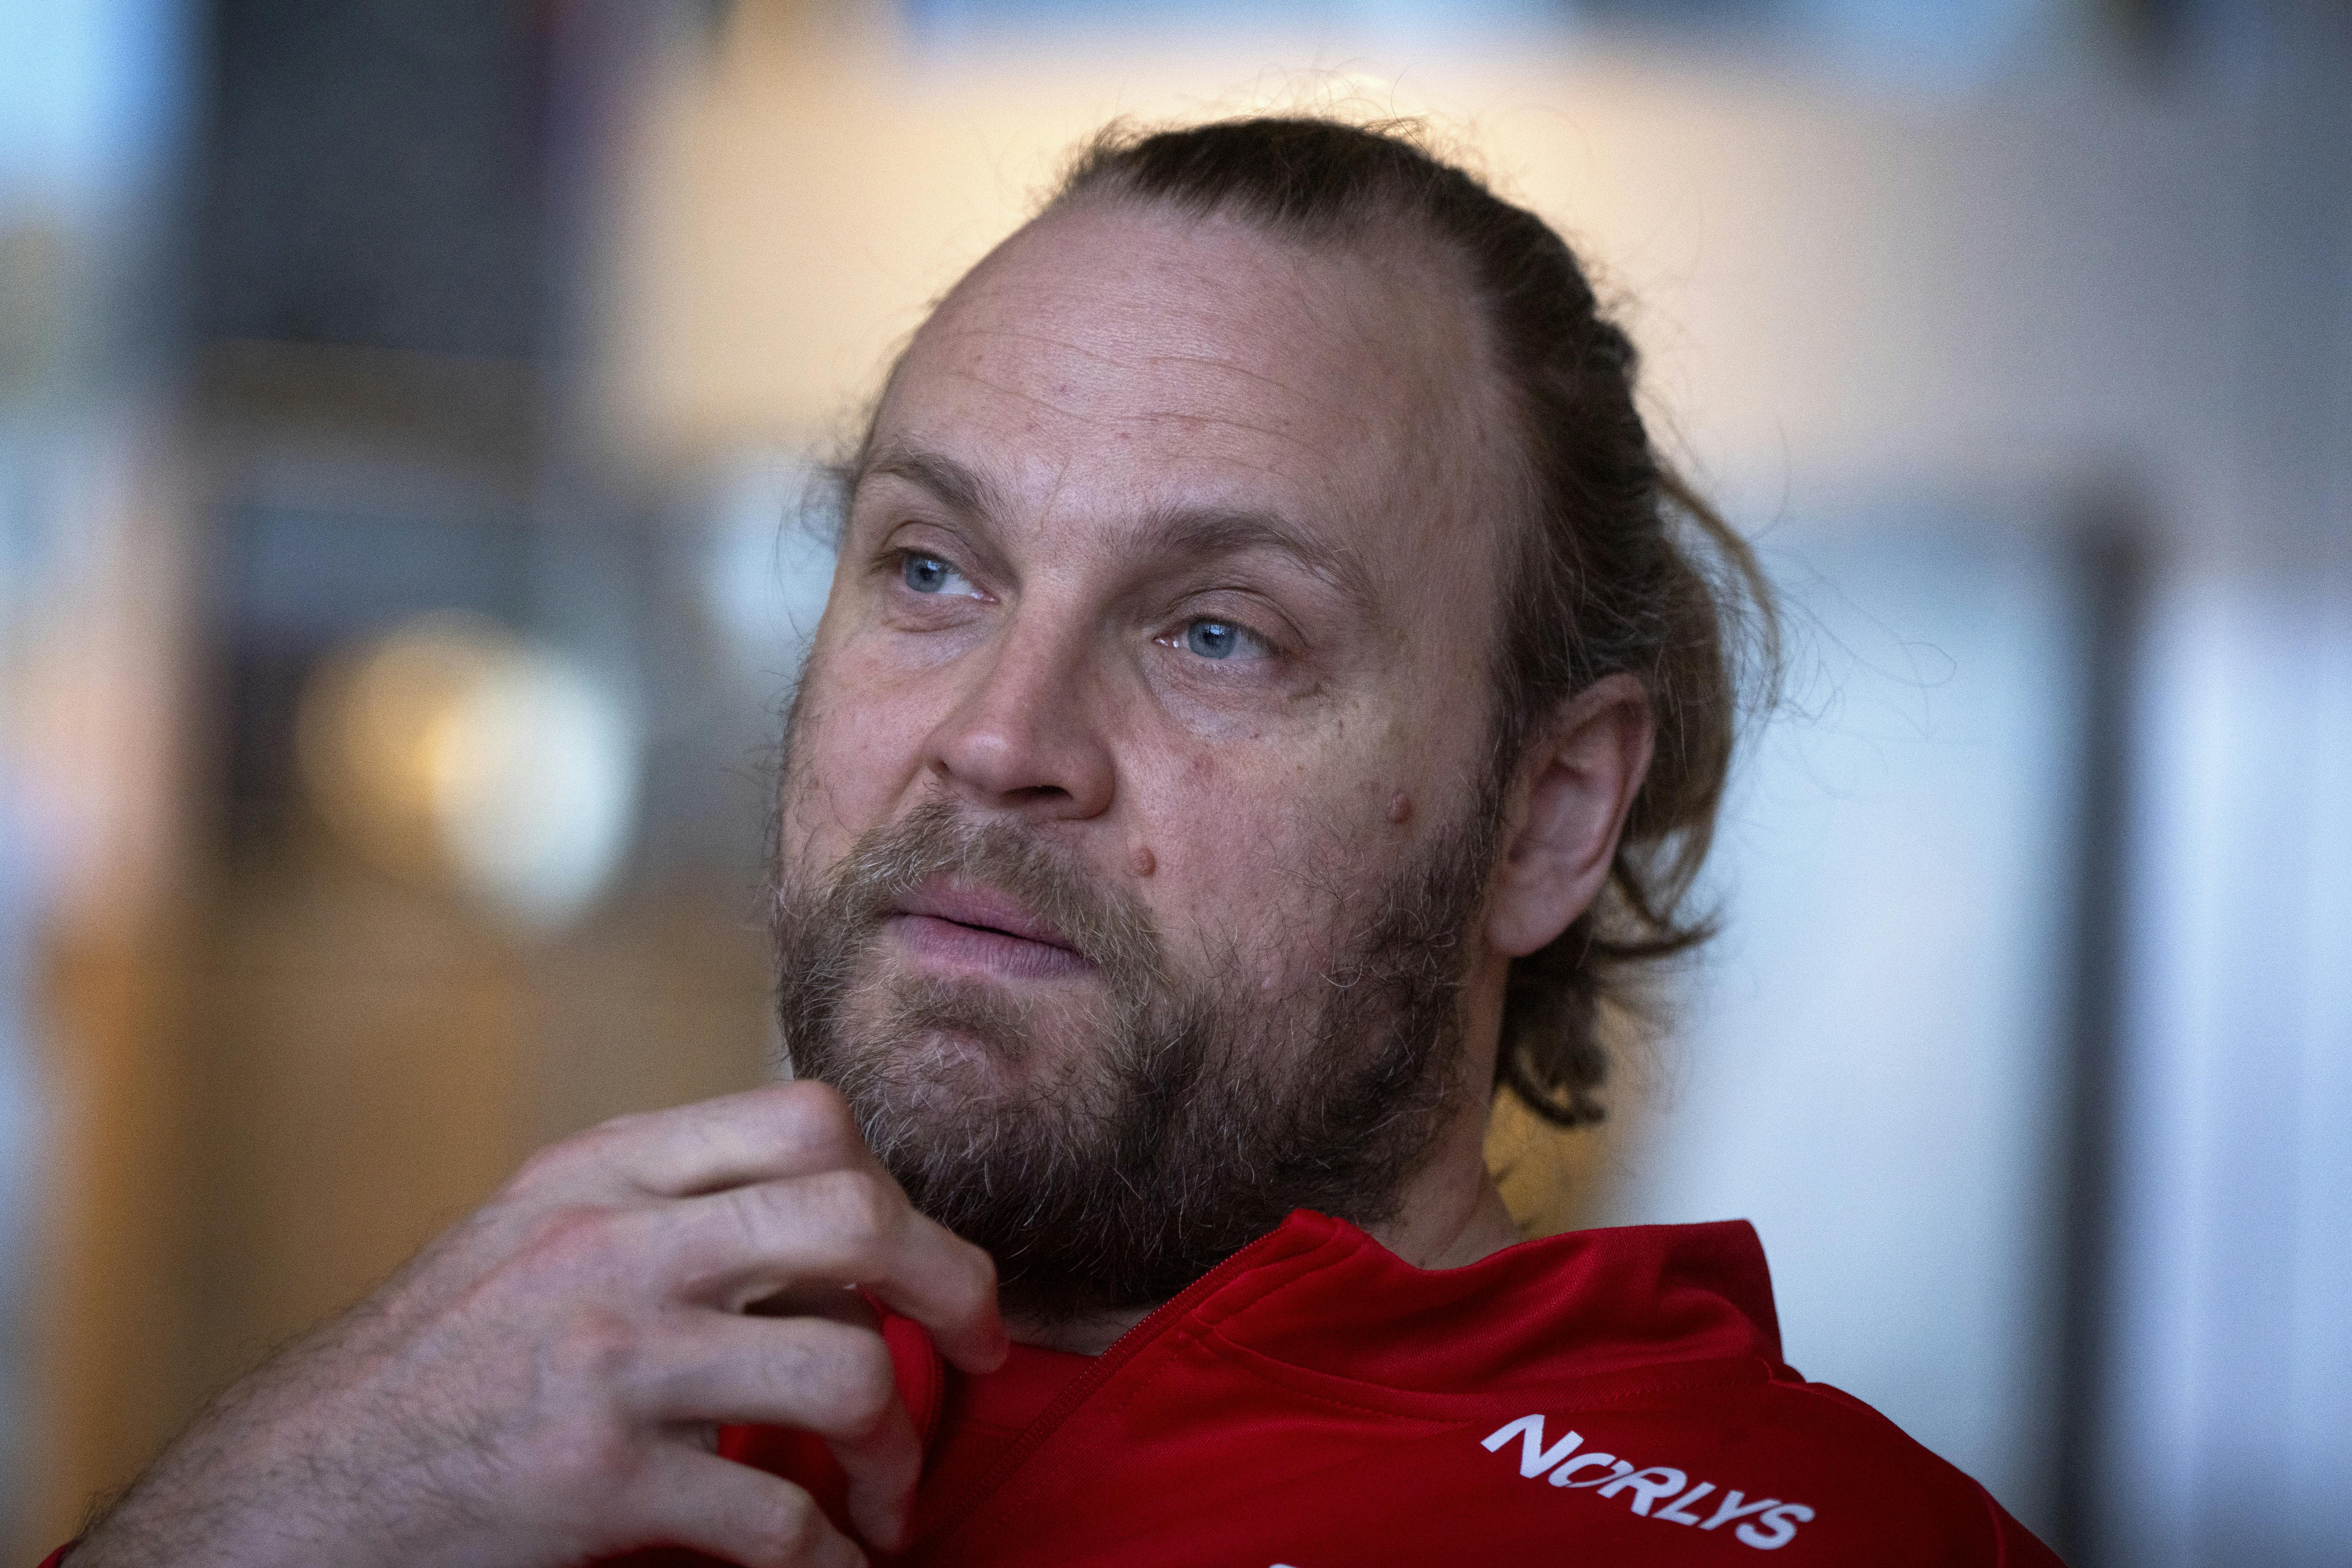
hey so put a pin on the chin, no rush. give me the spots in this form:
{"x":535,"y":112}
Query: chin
{"x":939,"y":1045}
{"x":941,"y":1068}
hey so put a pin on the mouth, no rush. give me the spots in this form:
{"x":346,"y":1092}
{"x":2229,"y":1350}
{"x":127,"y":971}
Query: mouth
{"x":980,"y":929}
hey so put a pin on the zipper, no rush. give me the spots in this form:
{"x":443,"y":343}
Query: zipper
{"x":1124,"y":1349}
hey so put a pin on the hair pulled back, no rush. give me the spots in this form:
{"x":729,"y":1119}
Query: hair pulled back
{"x":1619,"y":567}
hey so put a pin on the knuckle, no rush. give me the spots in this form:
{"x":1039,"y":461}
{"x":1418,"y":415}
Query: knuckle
{"x":594,"y":1346}
{"x":863,"y":1211}
{"x":814,"y":1117}
{"x":544,"y":1166}
{"x":584,"y":1463}
{"x":983,"y":1271}
{"x":863,"y":1383}
{"x":784,"y":1520}
{"x":567,"y":1159}
{"x":571,"y":1237}
{"x":615,"y":1131}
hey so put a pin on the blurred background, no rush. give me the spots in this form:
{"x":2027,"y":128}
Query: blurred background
{"x":407,"y":408}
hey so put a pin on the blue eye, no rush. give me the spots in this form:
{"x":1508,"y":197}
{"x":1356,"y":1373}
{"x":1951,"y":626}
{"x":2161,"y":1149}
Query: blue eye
{"x":1211,"y":640}
{"x":1221,"y":639}
{"x":927,"y":574}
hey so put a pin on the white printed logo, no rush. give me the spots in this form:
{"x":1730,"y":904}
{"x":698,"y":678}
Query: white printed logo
{"x":1567,"y":1463}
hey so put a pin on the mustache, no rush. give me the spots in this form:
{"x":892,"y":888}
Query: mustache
{"x":1105,"y":924}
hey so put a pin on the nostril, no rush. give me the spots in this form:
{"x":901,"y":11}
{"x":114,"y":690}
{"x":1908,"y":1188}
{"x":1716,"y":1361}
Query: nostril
{"x":1038,"y":769}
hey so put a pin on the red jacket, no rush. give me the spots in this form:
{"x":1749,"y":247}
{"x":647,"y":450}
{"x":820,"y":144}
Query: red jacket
{"x":1606,"y":1396}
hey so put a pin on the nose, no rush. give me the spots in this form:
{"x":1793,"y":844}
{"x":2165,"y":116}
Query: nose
{"x":1025,"y":736}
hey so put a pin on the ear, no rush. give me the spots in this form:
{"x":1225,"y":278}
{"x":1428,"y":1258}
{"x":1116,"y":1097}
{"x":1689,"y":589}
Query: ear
{"x":1571,"y":798}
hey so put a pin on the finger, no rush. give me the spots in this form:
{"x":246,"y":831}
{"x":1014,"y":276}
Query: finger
{"x":847,"y":1305}
{"x":783,"y":1130}
{"x":840,"y":1303}
{"x":842,"y":1227}
{"x":834,"y":1379}
{"x":686,"y":1496}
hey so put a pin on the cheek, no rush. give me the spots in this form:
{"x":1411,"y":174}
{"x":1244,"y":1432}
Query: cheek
{"x":852,"y":760}
{"x":1259,"y":855}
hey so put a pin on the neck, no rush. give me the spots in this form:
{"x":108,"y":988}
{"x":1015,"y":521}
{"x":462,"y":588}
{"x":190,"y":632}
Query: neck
{"x":1460,"y":1224}
{"x":1090,"y":1333}
{"x":1452,"y":1214}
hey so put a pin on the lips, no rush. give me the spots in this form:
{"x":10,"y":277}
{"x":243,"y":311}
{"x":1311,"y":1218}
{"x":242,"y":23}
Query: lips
{"x":965,"y":927}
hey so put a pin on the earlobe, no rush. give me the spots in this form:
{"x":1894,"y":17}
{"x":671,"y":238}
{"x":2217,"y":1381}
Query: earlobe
{"x":1573,"y":791}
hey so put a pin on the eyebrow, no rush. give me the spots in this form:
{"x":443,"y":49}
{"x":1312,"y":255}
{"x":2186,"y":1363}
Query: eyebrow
{"x":1218,"y":531}
{"x":960,"y":490}
{"x":1196,"y":532}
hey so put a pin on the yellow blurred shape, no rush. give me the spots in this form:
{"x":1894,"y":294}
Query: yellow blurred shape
{"x":453,"y":753}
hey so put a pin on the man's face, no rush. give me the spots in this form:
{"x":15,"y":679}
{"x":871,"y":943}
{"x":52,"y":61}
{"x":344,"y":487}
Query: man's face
{"x":1137,"y":811}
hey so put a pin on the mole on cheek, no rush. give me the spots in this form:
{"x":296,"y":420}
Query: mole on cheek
{"x":1144,"y":863}
{"x":1401,"y":809}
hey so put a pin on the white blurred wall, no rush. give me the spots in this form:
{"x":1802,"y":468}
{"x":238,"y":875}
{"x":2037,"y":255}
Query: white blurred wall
{"x":2230,"y":1385}
{"x":1874,"y":1067}
{"x":1841,"y":292}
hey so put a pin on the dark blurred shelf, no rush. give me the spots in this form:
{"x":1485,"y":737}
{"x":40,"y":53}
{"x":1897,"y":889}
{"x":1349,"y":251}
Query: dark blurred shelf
{"x":461,"y":405}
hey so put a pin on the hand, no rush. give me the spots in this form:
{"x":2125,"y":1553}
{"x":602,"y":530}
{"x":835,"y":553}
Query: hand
{"x":541,"y":1383}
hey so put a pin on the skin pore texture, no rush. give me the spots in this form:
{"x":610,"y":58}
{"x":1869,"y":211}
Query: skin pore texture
{"x":1165,"y":605}
{"x":1175,"y":548}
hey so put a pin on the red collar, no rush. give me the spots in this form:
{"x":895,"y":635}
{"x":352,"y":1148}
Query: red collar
{"x":1318,"y":1296}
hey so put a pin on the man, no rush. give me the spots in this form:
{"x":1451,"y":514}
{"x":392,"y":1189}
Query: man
{"x":1267,"y":705}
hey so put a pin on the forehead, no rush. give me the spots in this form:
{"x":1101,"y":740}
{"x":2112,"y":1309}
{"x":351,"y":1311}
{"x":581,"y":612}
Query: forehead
{"x":1114,"y":361}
